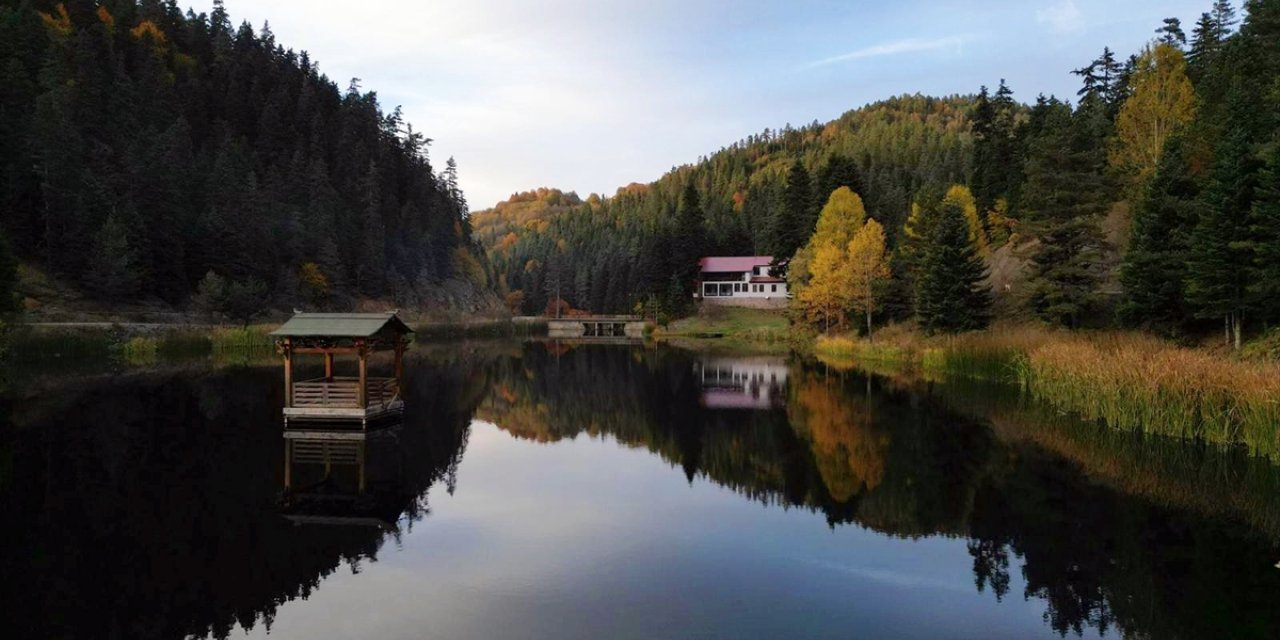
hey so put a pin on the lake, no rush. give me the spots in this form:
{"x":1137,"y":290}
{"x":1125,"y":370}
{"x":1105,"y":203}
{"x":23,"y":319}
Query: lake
{"x":549,"y":490}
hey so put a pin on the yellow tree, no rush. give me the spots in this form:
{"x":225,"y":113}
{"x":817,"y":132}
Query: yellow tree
{"x":963,"y":198}
{"x":867,"y":267}
{"x":1161,"y":100}
{"x":820,"y":280}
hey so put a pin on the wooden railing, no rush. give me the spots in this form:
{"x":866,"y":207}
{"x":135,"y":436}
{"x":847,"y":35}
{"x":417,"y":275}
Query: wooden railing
{"x":381,"y":391}
{"x":344,"y":393}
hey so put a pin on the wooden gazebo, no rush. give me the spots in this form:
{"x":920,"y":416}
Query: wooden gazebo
{"x":332,"y":397}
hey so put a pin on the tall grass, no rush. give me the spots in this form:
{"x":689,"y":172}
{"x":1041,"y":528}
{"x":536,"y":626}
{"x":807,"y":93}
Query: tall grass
{"x":1132,"y":381}
{"x":238,"y":338}
{"x":1127,"y":381}
{"x":140,"y":350}
{"x":860,"y":349}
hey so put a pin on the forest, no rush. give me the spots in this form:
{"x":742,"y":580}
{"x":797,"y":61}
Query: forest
{"x":152,"y":155}
{"x":1151,"y":199}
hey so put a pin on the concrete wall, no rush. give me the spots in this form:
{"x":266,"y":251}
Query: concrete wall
{"x":776,"y":302}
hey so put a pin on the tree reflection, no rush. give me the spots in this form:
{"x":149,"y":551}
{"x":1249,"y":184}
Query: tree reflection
{"x":146,"y":505}
{"x":897,"y":459}
{"x":848,"y":447}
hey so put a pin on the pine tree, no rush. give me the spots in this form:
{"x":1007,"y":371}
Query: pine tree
{"x":794,"y":222}
{"x":1066,"y":270}
{"x":1222,"y":248}
{"x":985,"y":170}
{"x":1264,"y":226}
{"x":951,"y":295}
{"x":8,"y":277}
{"x":839,"y":171}
{"x":689,"y":242}
{"x":997,"y":153}
{"x":1171,"y":33}
{"x":211,"y":295}
{"x":1154,"y":272}
{"x":114,"y":269}
{"x":1063,"y":198}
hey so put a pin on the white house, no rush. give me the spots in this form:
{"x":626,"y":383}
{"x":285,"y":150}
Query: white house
{"x":748,"y":281}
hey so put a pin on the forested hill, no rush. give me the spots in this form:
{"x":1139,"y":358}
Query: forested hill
{"x":143,"y":149}
{"x":607,"y":254}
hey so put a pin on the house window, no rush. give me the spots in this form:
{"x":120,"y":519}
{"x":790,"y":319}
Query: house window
{"x":773,"y":288}
{"x":726,"y":289}
{"x":709,"y":289}
{"x":737,"y":287}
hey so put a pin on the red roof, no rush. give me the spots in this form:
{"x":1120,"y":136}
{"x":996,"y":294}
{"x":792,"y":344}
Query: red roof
{"x":720,"y":264}
{"x":765,"y":279}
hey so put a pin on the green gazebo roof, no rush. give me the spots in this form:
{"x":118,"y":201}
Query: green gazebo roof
{"x":342,"y":325}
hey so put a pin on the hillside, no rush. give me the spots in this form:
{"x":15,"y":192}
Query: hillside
{"x":142,"y":149}
{"x":607,"y":254}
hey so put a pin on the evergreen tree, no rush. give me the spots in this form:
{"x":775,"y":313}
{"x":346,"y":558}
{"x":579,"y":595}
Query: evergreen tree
{"x":114,"y":269}
{"x":689,"y":243}
{"x":1063,"y":197}
{"x":1264,"y":226}
{"x":1170,"y":33}
{"x":8,"y":278}
{"x":211,"y":295}
{"x":794,"y":222}
{"x":951,"y":294}
{"x":997,"y":153}
{"x":839,"y":171}
{"x":1066,"y":270}
{"x":1154,"y":272}
{"x":1222,"y":247}
{"x":206,"y":147}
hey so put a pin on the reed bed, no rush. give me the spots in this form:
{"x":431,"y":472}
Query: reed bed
{"x":140,"y":350}
{"x":1128,"y":381}
{"x":842,"y":346}
{"x":239,"y":338}
{"x":1132,"y":381}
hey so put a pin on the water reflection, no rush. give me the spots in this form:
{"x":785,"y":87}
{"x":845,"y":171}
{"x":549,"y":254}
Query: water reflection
{"x":169,"y":504}
{"x":742,"y":383}
{"x":347,"y":477}
{"x":148,"y":505}
{"x":897,"y":459}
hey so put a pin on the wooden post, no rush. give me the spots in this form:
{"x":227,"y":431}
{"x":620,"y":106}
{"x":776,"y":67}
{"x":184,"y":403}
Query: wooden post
{"x":328,"y":367}
{"x":360,"y":471}
{"x":288,"y":373}
{"x":360,"y":393}
{"x":288,"y":464}
{"x":400,"y":366}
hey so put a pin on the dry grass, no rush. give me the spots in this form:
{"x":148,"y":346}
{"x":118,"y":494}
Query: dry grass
{"x":1134,"y":381}
{"x":1126,"y":380}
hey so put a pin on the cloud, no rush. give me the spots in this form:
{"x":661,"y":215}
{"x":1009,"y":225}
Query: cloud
{"x":1063,"y":16}
{"x":908,"y":45}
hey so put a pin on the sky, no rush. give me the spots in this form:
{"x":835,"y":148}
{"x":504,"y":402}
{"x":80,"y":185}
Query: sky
{"x":590,"y":95}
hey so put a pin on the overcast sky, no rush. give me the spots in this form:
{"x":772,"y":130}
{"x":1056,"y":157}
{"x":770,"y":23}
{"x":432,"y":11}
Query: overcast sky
{"x":589,"y":95}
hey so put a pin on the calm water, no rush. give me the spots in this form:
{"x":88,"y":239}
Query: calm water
{"x":540,"y":491}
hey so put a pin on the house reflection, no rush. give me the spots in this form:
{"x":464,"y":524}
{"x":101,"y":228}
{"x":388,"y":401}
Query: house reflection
{"x":752,"y":383}
{"x":345,"y":476}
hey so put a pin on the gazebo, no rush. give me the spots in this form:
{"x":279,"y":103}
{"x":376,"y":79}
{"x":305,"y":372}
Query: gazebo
{"x":360,"y":397}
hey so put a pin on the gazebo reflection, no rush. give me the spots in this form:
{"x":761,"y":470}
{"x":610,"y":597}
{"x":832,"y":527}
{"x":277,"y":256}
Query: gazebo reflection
{"x":353,"y":476}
